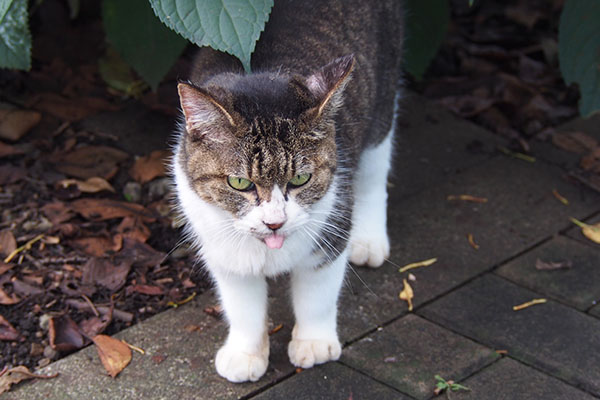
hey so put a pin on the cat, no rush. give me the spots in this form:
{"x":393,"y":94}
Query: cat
{"x":284,"y":170}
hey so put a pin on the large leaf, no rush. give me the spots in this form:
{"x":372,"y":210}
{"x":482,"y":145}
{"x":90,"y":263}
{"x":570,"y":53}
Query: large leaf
{"x":138,"y":36}
{"x":579,"y":50}
{"x":15,"y":39}
{"x":426,"y":26}
{"x":232,"y":26}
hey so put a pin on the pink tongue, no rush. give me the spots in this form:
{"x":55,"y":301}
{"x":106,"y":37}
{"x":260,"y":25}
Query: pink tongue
{"x":274,"y":241}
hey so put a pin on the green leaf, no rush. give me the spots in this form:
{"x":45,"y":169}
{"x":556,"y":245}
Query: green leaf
{"x":579,"y":50}
{"x":138,"y":36}
{"x":15,"y":39}
{"x":426,"y":26}
{"x":232,"y":26}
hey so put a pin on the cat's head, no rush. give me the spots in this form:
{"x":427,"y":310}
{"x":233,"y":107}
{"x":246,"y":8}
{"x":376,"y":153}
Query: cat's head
{"x":262,"y":146}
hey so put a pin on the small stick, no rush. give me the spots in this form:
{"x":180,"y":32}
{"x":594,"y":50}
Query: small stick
{"x":560,"y":198}
{"x":472,"y":241}
{"x":135,"y":348}
{"x":93,"y":307}
{"x":529,"y":304}
{"x":26,"y":246}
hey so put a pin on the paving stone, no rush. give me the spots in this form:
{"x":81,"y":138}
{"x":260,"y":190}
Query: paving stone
{"x":552,"y":337}
{"x":432,"y":143}
{"x":178,"y":364}
{"x":595,"y":311}
{"x":578,"y":286}
{"x":508,"y":379}
{"x":408,"y":353}
{"x":521,"y":211}
{"x":330,"y":381}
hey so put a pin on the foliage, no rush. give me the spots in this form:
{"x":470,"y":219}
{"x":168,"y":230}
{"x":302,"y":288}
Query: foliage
{"x":15,"y":39}
{"x":426,"y":26}
{"x":142,"y":41}
{"x":232,"y":26}
{"x":579,"y":50}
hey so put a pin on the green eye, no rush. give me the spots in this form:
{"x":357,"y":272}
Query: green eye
{"x":240,"y":183}
{"x":299,"y":180}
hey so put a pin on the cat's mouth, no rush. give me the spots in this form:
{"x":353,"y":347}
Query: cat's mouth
{"x":274,"y":240}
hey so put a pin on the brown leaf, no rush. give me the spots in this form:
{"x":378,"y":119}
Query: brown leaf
{"x":145,"y":289}
{"x":64,"y":334}
{"x":549,"y":266}
{"x":8,"y":244}
{"x":7,"y":331}
{"x":10,"y":174}
{"x":25,"y":289}
{"x":57,"y":212}
{"x":70,"y":109}
{"x":95,"y":325}
{"x":114,"y":354}
{"x":140,"y":254}
{"x":103,"y":209}
{"x":8,"y":150}
{"x":17,"y":374}
{"x":6,"y":299}
{"x":90,"y":161}
{"x":15,"y":123}
{"x":466,"y":106}
{"x":149,"y":167}
{"x":98,"y":246}
{"x":94,"y":184}
{"x":214,"y":311}
{"x":5,"y":267}
{"x":574,"y":142}
{"x":100,"y":271}
{"x":134,"y":228}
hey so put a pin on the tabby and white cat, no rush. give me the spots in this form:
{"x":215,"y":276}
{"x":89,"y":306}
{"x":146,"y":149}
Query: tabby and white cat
{"x":285,"y":169}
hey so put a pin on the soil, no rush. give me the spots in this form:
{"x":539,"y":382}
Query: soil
{"x":117,"y":254}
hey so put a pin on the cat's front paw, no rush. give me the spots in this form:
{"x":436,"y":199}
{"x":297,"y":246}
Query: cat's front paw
{"x":369,"y":250}
{"x":306,"y":353}
{"x":239,"y":366}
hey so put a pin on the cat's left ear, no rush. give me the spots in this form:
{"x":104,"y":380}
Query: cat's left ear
{"x":328,"y":83}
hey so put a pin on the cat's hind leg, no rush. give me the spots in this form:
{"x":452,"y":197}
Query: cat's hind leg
{"x":245,"y":354}
{"x":369,"y":242}
{"x":314,"y":296}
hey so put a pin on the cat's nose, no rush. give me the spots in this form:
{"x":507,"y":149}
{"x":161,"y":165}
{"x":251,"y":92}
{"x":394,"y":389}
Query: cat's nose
{"x":274,"y":226}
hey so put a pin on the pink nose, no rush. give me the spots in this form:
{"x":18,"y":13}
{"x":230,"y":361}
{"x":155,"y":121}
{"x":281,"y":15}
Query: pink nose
{"x":274,"y":227}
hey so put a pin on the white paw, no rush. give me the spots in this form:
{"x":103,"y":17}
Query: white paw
{"x":239,"y":366}
{"x":306,"y":353}
{"x":369,"y":250}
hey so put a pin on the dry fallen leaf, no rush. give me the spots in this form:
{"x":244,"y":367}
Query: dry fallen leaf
{"x":6,"y":299}
{"x":103,"y":272}
{"x":64,"y":334}
{"x":98,"y":246}
{"x":407,"y":294}
{"x":591,"y":232}
{"x":549,"y":266}
{"x":114,"y":354}
{"x":17,"y":374}
{"x":94,"y":184}
{"x":103,"y":209}
{"x":419,"y":264}
{"x":8,"y":150}
{"x":15,"y":123}
{"x":472,"y":241}
{"x":90,"y":161}
{"x":8,"y":244}
{"x":7,"y":331}
{"x":574,"y":142}
{"x":149,"y":167}
{"x":276,"y":329}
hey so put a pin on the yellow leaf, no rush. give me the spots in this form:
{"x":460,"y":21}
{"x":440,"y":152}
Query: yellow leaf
{"x":418,"y":264}
{"x":114,"y":354}
{"x":94,"y":184}
{"x":407,"y":294}
{"x":591,"y":232}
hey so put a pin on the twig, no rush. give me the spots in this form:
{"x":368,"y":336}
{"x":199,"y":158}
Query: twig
{"x":529,"y":304}
{"x":93,"y":307}
{"x":418,"y":265}
{"x":26,"y":246}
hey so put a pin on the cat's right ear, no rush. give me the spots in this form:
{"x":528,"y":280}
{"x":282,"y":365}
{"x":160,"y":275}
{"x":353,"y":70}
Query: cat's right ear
{"x":204,"y":116}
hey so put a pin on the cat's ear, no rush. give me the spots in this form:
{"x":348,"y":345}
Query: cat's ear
{"x":205,"y":117}
{"x":328,"y":83}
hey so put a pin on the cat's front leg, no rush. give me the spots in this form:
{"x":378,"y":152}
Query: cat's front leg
{"x":245,"y":354}
{"x":314,"y":294}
